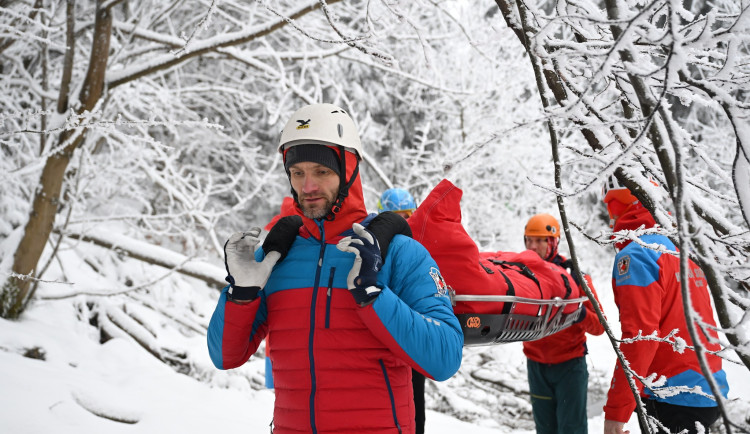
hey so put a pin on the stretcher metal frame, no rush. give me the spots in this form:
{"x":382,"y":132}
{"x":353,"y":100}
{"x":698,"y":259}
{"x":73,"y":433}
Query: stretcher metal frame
{"x":490,"y":329}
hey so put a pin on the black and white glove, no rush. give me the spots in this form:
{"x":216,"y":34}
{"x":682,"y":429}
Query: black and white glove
{"x":363,"y":277}
{"x":245,"y":275}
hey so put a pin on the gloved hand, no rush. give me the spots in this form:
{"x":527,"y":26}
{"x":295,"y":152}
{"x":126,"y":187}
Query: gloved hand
{"x":245,"y":275}
{"x":282,"y":235}
{"x":363,"y":276}
{"x":385,"y":226}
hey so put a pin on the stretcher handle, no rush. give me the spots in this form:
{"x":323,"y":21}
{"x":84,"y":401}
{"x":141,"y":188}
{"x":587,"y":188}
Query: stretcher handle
{"x":557,"y":301}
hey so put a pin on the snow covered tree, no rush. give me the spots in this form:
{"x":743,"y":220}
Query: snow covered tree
{"x":658,"y":90}
{"x":166,"y":106}
{"x":149,"y":128}
{"x":163,"y":117}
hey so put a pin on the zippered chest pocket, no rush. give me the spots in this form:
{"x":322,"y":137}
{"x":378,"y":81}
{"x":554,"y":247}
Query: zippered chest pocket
{"x":329,"y":296}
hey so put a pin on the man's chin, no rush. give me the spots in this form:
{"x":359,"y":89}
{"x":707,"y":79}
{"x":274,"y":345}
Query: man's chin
{"x":314,"y":213}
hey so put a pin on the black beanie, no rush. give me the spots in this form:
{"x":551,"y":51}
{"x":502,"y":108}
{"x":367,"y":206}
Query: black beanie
{"x":320,"y":154}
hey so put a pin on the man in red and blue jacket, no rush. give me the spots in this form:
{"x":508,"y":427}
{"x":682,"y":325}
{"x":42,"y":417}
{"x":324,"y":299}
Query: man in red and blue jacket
{"x":647,"y":290}
{"x":348,"y":322}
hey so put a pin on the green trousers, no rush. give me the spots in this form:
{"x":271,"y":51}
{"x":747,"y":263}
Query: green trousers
{"x":558,"y":396}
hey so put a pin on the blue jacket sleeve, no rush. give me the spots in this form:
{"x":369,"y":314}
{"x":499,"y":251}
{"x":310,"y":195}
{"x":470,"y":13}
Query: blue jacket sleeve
{"x":413,"y":314}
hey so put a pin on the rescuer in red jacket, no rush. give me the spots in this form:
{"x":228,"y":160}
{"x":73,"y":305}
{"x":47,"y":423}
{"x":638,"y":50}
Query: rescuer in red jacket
{"x":348,"y":323}
{"x":558,"y":376}
{"x":647,"y":290}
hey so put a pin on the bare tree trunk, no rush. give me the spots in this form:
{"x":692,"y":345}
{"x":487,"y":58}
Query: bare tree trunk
{"x":44,"y":208}
{"x":70,"y":49}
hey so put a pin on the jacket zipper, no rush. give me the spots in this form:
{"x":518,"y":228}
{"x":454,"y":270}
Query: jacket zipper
{"x":390,"y":394}
{"x":311,"y":335}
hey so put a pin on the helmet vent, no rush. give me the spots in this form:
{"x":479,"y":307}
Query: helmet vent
{"x":341,"y":130}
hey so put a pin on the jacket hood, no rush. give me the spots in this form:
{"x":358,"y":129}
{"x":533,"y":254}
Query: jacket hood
{"x":632,"y":219}
{"x":353,"y":209}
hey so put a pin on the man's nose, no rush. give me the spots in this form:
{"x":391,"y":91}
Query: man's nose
{"x":310,"y":184}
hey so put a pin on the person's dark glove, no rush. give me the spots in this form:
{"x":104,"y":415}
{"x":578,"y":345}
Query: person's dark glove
{"x":363,"y":276}
{"x":245,"y":275}
{"x":385,"y":226}
{"x":581,"y":315}
{"x":282,"y":235}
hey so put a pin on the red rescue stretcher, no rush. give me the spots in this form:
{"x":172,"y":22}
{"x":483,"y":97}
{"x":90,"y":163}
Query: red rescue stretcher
{"x":491,"y":328}
{"x":498,"y":297}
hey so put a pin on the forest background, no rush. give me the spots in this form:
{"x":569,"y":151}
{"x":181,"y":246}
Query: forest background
{"x":136,"y":136}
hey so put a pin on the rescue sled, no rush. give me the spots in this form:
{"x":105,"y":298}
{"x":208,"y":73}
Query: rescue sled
{"x":491,"y":328}
{"x":498,"y":297}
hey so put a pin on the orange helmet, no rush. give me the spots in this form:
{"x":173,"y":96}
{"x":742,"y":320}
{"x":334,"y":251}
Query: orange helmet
{"x":542,"y":225}
{"x":614,"y":190}
{"x":618,"y":198}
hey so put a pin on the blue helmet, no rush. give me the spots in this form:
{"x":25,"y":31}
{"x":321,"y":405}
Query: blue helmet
{"x":396,"y":199}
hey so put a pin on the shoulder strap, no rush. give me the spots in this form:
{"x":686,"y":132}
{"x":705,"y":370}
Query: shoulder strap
{"x":521,"y":268}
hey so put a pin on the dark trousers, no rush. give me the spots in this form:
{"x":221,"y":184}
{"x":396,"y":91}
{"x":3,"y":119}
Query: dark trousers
{"x":677,"y":418}
{"x":558,"y":396}
{"x":417,"y":384}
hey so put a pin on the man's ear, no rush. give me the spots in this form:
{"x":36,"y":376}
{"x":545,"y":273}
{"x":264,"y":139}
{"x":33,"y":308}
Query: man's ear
{"x":387,"y":225}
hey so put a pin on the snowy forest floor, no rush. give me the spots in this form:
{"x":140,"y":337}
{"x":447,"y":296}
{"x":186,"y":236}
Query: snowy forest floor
{"x":57,"y":375}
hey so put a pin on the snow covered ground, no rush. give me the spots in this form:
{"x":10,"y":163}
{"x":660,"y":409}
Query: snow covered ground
{"x":87,"y":363}
{"x":82,"y":386}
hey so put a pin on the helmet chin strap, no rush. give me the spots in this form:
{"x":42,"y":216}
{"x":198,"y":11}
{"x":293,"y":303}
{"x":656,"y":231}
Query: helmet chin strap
{"x":344,"y":189}
{"x":552,"y":243}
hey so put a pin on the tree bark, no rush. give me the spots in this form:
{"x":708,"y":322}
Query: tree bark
{"x":70,"y":48}
{"x":44,"y":208}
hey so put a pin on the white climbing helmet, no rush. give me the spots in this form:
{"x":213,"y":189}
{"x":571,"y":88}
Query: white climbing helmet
{"x":324,"y":124}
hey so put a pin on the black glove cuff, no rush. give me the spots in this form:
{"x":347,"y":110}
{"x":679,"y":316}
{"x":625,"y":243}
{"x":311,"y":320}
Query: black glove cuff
{"x":242,"y":293}
{"x":387,"y":225}
{"x":362,"y":298}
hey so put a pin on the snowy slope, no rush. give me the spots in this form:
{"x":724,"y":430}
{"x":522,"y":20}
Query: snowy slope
{"x":82,"y":386}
